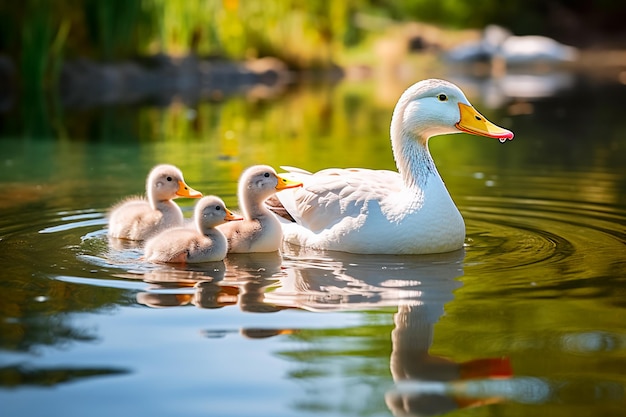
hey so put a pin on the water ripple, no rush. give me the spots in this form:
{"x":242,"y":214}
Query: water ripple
{"x":523,"y":232}
{"x":539,"y":241}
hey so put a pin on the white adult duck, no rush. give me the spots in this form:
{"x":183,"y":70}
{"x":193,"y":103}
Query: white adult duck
{"x":386,"y":212}
{"x":499,"y":43}
{"x":138,"y":218}
{"x":205,"y":243}
{"x":260,"y":231}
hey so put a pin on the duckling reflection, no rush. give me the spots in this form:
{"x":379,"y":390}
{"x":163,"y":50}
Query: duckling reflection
{"x":212,"y":295}
{"x":419,"y":287}
{"x":248,"y":277}
{"x":241,"y":279}
{"x":157,"y":300}
{"x":254,"y":333}
{"x":174,"y":278}
{"x":253,"y":274}
{"x":184,"y":287}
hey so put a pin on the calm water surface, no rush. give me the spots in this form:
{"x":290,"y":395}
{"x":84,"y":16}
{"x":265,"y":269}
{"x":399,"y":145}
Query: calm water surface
{"x":527,"y":319}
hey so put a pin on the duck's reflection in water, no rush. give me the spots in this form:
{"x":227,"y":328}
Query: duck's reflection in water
{"x":419,"y":287}
{"x":331,"y":281}
{"x":412,"y":365}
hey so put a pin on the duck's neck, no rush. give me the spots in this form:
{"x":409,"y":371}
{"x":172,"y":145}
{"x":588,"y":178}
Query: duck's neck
{"x":201,"y":225}
{"x":414,"y":162}
{"x":163,"y":205}
{"x":253,"y":208}
{"x":209,"y":231}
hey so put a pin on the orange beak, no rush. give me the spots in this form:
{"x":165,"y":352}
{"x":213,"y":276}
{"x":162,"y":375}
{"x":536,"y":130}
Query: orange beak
{"x":284,"y":183}
{"x":186,"y":191}
{"x":475,"y":123}
{"x":230,"y":216}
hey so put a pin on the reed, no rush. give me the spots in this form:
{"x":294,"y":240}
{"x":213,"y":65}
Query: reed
{"x":37,"y":36}
{"x":111,"y":26}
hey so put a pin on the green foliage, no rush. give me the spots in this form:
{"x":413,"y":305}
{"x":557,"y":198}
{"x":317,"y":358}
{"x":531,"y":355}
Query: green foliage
{"x":304,"y":34}
{"x":37,"y":35}
{"x":111,"y":25}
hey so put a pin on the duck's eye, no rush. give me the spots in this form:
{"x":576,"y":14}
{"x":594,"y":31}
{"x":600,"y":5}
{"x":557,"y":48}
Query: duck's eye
{"x":169,"y":179}
{"x":218,"y":208}
{"x":442,"y":97}
{"x":266,"y":175}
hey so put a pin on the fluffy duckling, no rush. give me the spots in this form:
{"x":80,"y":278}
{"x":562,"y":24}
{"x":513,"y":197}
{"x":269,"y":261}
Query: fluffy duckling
{"x":204,"y":243}
{"x":260,"y":231}
{"x":139,"y":218}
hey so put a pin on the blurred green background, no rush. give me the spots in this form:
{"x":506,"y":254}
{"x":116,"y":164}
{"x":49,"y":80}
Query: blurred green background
{"x":40,"y":34}
{"x":116,"y":69}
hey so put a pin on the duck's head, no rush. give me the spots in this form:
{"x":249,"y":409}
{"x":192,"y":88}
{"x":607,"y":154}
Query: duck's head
{"x":211,"y":211}
{"x":437,"y":107}
{"x":261,"y":181}
{"x":166,"y":182}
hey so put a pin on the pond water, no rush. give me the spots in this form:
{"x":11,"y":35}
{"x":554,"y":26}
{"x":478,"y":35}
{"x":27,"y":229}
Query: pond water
{"x":527,"y":319}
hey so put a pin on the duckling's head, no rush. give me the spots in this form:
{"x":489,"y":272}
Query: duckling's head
{"x":259,"y":182}
{"x":437,"y":107}
{"x":211,"y":211}
{"x":166,"y":182}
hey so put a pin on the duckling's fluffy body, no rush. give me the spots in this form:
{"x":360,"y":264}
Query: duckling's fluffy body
{"x":260,"y":231}
{"x":202,"y":243}
{"x":139,"y":218}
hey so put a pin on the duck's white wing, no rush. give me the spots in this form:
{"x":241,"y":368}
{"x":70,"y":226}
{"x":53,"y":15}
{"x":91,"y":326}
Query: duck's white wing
{"x":333,"y":194}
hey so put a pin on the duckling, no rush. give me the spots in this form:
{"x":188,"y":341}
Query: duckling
{"x":204,"y":243}
{"x":138,"y":218}
{"x":260,"y":231}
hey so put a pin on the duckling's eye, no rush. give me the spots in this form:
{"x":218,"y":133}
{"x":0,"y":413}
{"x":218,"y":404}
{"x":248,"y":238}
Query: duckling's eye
{"x":218,"y":208}
{"x":169,"y":179}
{"x":266,"y":175}
{"x":442,"y":97}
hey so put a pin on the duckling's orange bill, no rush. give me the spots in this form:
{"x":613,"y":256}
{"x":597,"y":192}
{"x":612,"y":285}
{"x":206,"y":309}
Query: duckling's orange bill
{"x":230,"y":216}
{"x":284,"y":183}
{"x":476,"y":124}
{"x":186,"y":191}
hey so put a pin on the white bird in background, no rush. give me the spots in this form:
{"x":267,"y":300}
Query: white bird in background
{"x":499,"y":43}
